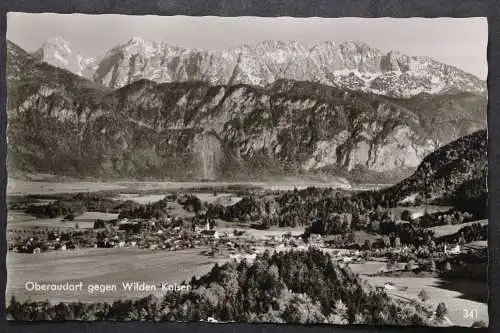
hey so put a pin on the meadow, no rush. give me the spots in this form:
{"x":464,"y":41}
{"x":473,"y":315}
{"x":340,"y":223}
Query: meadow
{"x":102,"y":266}
{"x":117,"y":265}
{"x":438,"y":290}
{"x":449,"y":229}
{"x":19,"y":221}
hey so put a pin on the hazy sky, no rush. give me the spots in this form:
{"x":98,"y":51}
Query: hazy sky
{"x":456,"y":41}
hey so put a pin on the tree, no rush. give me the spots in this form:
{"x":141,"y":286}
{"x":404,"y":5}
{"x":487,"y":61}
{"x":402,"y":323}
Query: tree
{"x":406,"y":215}
{"x":432,"y":266}
{"x":13,"y":307}
{"x":387,"y":241}
{"x":339,"y":314}
{"x":447,"y":266}
{"x":410,"y":266}
{"x":355,"y":221}
{"x":197,"y":205}
{"x":301,"y":309}
{"x":441,"y":311}
{"x":479,"y":324}
{"x":423,"y":295}
{"x":391,"y":263}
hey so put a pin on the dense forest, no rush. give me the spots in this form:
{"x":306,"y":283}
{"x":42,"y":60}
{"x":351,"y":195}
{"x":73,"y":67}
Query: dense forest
{"x":454,"y":175}
{"x":67,"y":205}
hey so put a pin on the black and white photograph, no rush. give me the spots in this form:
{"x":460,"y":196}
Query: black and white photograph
{"x":247,"y":169}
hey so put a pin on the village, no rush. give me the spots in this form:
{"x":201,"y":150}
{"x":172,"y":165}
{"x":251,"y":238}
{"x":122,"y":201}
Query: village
{"x":395,"y":256}
{"x":171,"y":233}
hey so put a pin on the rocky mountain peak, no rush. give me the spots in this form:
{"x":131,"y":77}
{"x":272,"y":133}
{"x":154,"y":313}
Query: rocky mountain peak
{"x":352,"y":65}
{"x":59,"y":42}
{"x":136,"y":40}
{"x":57,"y":52}
{"x":150,"y":128}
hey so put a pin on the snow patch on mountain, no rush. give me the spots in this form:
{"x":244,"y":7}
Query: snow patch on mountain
{"x":352,"y":65}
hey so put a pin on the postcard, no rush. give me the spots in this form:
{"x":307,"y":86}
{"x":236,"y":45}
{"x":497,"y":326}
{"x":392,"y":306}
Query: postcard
{"x":247,"y":169}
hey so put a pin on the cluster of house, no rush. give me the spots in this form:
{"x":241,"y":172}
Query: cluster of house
{"x":35,"y":245}
{"x":388,"y":286}
{"x":152,"y":235}
{"x":123,"y":233}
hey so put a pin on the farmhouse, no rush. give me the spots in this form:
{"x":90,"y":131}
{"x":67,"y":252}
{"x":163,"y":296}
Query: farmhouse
{"x":417,"y":215}
{"x":210,"y":233}
{"x":389,"y":286}
{"x":453,"y":250}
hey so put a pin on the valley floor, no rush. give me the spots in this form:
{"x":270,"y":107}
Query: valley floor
{"x":24,"y":187}
{"x":114,"y":266}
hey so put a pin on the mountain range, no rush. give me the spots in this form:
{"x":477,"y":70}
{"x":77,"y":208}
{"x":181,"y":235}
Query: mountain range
{"x":64,"y":123}
{"x":352,"y":65}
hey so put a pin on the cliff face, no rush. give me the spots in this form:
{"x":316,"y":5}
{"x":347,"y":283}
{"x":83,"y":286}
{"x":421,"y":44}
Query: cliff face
{"x":63,"y":123}
{"x":57,"y":52}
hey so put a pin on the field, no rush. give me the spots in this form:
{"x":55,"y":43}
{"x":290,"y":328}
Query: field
{"x":452,"y":293}
{"x":101,"y":266}
{"x":478,"y":244}
{"x":24,"y":187}
{"x":225,"y":199}
{"x":420,"y":209}
{"x":449,"y":229}
{"x":21,"y":221}
{"x":208,"y":197}
{"x":261,"y":234}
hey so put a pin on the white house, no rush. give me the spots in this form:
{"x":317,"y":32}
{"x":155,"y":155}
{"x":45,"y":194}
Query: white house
{"x":389,"y":286}
{"x":416,"y":215}
{"x":211,"y":232}
{"x":455,"y":249}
